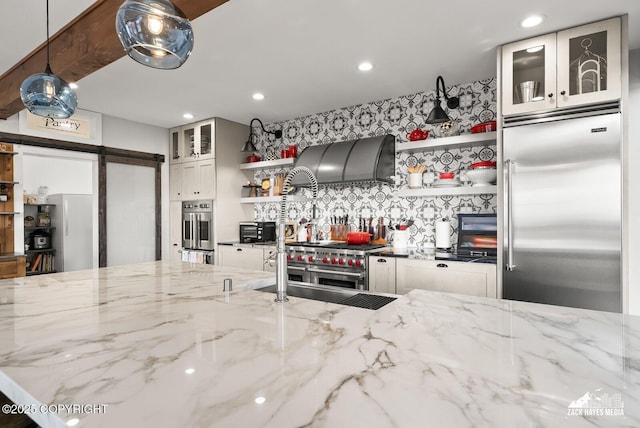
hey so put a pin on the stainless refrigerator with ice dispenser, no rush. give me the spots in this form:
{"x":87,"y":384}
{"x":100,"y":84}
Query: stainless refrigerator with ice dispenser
{"x":562,"y":183}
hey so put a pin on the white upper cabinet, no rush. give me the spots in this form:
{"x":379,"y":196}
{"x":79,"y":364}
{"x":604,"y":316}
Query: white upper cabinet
{"x":529,"y":75}
{"x":197,"y":141}
{"x":589,"y":63}
{"x":576,"y":66}
{"x":175,"y":145}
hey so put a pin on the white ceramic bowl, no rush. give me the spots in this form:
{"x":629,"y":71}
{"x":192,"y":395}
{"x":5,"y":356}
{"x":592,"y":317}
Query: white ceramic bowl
{"x":482,"y":176}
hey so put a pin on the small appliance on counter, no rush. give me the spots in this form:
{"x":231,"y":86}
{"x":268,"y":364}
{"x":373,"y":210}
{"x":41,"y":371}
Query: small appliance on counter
{"x":257,"y":231}
{"x":40,"y":241}
{"x":477,"y":235}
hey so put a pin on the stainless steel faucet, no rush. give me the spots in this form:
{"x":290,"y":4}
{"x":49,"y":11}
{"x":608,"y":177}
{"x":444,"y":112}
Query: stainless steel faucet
{"x":281,"y":262}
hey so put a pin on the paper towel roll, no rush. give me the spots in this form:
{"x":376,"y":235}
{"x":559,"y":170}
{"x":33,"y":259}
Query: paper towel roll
{"x":443,"y":237}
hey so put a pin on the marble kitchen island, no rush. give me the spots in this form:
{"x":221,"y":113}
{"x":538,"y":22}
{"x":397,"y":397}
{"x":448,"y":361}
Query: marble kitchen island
{"x":161,"y":345}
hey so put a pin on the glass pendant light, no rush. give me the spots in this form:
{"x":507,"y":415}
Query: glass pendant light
{"x":154,"y":33}
{"x":47,"y":95}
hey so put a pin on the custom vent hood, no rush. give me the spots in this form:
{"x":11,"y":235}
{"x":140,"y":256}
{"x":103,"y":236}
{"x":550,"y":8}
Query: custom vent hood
{"x":354,"y":161}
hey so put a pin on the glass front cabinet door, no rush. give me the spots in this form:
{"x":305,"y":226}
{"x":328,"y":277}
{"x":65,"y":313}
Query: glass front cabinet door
{"x":577,"y":66}
{"x":529,"y":75}
{"x":197,"y":141}
{"x":175,"y":146}
{"x":589,"y":63}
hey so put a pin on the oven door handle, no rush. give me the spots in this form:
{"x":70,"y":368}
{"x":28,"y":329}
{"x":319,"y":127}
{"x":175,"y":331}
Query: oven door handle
{"x":295,"y":268}
{"x":192,"y":218}
{"x":198,"y":225}
{"x":333,"y":272}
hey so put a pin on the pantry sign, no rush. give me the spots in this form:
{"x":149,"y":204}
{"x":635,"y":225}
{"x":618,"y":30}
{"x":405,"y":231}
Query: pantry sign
{"x":71,"y":126}
{"x":83,"y":126}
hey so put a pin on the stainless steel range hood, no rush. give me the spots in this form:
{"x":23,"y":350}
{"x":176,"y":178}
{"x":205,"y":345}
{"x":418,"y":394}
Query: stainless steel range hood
{"x":354,"y":161}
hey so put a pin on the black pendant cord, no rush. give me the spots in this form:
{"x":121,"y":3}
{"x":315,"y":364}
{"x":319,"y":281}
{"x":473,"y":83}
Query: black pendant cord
{"x":48,"y":68}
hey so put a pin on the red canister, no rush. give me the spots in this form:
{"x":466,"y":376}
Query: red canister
{"x":293,"y":151}
{"x":284,"y":153}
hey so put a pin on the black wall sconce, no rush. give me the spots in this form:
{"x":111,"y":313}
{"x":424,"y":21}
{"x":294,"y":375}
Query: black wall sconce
{"x":438,"y":115}
{"x":249,"y":146}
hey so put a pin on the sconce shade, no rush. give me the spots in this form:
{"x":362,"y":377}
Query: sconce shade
{"x":154,"y":33}
{"x":437,"y":115}
{"x":47,"y":95}
{"x":249,"y":146}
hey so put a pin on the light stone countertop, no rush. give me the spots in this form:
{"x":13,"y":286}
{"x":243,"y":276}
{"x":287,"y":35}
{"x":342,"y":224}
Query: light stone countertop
{"x":161,"y":345}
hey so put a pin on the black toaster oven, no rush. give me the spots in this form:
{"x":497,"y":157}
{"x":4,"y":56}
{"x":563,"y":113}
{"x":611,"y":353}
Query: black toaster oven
{"x":257,"y":231}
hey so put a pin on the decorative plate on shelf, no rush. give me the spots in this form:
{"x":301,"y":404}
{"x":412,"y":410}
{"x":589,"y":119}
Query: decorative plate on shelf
{"x":452,"y":182}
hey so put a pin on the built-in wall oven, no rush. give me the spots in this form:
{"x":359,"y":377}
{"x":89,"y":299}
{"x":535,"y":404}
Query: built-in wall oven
{"x":197,"y":225}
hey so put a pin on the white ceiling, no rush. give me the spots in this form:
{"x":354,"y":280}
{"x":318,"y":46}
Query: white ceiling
{"x":303,"y":54}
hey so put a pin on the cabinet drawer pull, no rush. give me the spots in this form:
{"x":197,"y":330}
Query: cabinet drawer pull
{"x":442,"y":265}
{"x":382,"y":261}
{"x":238,"y":249}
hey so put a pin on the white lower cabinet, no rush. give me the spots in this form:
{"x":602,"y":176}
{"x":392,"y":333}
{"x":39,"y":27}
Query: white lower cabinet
{"x":382,"y":274}
{"x":242,"y":257}
{"x":475,"y":279}
{"x":175,"y":231}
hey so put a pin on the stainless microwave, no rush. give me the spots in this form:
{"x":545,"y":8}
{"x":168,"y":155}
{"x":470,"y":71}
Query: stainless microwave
{"x":257,"y":231}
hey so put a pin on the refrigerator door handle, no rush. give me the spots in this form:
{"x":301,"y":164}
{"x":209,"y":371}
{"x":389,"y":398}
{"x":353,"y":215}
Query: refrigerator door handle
{"x":508,"y":167}
{"x":66,"y":217}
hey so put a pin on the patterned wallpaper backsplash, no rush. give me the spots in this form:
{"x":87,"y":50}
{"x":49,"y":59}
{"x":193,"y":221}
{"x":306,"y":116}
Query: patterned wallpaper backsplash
{"x":397,"y":116}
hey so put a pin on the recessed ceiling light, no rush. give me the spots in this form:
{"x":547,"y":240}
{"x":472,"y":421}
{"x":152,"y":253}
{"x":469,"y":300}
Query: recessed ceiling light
{"x":187,"y":116}
{"x":73,"y":85}
{"x":73,"y":422}
{"x":260,"y":400}
{"x":365,"y":66}
{"x":258,"y":96}
{"x":531,"y":21}
{"x":535,"y":49}
{"x":190,"y":371}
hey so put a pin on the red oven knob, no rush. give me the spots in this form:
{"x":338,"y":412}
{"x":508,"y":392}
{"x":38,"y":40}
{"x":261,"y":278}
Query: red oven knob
{"x":333,"y":261}
{"x":310,"y":258}
{"x":300,"y":258}
{"x":350,"y":262}
{"x":358,"y":263}
{"x":289,"y":257}
{"x":341,"y":261}
{"x":325,"y":260}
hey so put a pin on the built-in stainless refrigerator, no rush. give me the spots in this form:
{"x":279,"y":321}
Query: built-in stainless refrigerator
{"x":73,"y":235}
{"x":562,"y":210}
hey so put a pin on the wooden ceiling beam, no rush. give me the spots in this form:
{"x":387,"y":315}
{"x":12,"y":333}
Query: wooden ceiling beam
{"x":83,"y":46}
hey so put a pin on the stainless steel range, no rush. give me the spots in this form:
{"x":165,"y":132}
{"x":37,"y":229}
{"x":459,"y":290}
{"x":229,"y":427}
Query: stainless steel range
{"x":332,"y":264}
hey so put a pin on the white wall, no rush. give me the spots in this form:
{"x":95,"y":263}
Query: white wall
{"x":59,"y":170}
{"x":634,"y":182}
{"x":11,"y":125}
